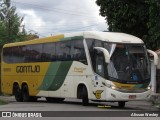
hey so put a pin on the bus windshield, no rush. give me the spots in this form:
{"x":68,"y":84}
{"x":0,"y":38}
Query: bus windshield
{"x":128,"y":63}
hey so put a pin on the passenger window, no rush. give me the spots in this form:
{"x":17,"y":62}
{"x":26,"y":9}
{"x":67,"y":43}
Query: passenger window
{"x":7,"y":53}
{"x":91,"y":43}
{"x":63,"y":51}
{"x":79,"y":52}
{"x":35,"y":52}
{"x":72,"y":50}
{"x":16,"y":56}
{"x":22,"y":53}
{"x":49,"y":52}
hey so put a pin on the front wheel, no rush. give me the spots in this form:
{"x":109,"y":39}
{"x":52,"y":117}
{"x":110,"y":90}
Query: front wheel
{"x":85,"y":100}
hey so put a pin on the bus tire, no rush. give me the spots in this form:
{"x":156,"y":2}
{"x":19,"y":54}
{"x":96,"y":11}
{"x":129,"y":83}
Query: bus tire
{"x":121,"y":104}
{"x":85,"y":100}
{"x":17,"y":93}
{"x":25,"y":93}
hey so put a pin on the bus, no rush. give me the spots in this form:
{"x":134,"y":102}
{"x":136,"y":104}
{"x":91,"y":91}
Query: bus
{"x":89,"y":65}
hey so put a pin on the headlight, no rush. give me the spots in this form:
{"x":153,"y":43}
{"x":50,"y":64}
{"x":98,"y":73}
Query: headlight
{"x":149,"y":87}
{"x":113,"y":87}
{"x":110,"y":86}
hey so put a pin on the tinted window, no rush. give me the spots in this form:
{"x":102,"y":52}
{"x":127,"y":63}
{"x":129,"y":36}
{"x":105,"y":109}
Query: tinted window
{"x":14,"y":54}
{"x":63,"y":51}
{"x":72,"y":50}
{"x":7,"y":53}
{"x":49,"y":52}
{"x":78,"y":51}
{"x":33,"y":53}
{"x":17,"y":55}
{"x":91,"y":43}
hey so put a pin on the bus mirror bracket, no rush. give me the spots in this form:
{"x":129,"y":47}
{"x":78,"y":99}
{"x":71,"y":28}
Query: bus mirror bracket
{"x":154,"y":55}
{"x":105,"y":52}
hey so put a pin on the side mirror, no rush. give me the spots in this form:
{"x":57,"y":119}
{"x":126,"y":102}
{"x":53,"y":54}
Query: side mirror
{"x":105,"y":52}
{"x":154,"y":55}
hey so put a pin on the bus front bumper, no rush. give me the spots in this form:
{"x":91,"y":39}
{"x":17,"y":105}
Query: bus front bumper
{"x":114,"y":95}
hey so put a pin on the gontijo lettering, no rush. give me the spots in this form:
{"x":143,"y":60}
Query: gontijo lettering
{"x":28,"y":69}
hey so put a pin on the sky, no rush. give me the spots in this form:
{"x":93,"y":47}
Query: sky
{"x":49,"y":17}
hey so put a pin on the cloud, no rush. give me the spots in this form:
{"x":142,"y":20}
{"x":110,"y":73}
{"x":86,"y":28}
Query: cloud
{"x":32,"y":21}
{"x":50,"y":17}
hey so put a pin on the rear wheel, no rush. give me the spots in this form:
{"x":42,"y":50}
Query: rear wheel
{"x":85,"y":100}
{"x":17,"y":93}
{"x":25,"y":93}
{"x":121,"y":104}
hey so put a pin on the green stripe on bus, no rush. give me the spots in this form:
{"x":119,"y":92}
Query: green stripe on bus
{"x":55,"y":76}
{"x":142,"y":85}
{"x":72,"y":38}
{"x":145,"y":85}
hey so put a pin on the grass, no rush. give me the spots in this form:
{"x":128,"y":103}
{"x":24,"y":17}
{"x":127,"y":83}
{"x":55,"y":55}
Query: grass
{"x":2,"y":102}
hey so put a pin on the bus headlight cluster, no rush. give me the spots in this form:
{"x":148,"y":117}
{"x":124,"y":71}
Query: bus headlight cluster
{"x":113,"y":87}
{"x":110,"y":86}
{"x":149,"y":87}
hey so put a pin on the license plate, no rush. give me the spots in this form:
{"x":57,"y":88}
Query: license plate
{"x":132,"y":96}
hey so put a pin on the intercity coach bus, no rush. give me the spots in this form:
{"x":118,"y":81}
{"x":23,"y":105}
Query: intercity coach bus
{"x":91,"y":65}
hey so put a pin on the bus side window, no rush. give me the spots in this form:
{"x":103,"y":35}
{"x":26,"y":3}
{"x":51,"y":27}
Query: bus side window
{"x":7,"y":55}
{"x":63,"y":51}
{"x":35,"y":53}
{"x":16,"y":58}
{"x":91,"y":43}
{"x":49,"y":52}
{"x":78,"y":53}
{"x":66,"y":51}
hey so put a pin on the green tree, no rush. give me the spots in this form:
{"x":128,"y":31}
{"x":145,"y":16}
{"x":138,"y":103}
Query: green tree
{"x":137,"y":17}
{"x":153,"y":38}
{"x":10,"y":24}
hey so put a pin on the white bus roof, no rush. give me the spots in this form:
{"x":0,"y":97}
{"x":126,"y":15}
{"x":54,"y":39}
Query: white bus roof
{"x":104,"y":36}
{"x":107,"y":36}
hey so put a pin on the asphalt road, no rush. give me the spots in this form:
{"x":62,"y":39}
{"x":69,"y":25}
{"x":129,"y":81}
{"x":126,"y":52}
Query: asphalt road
{"x":74,"y":105}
